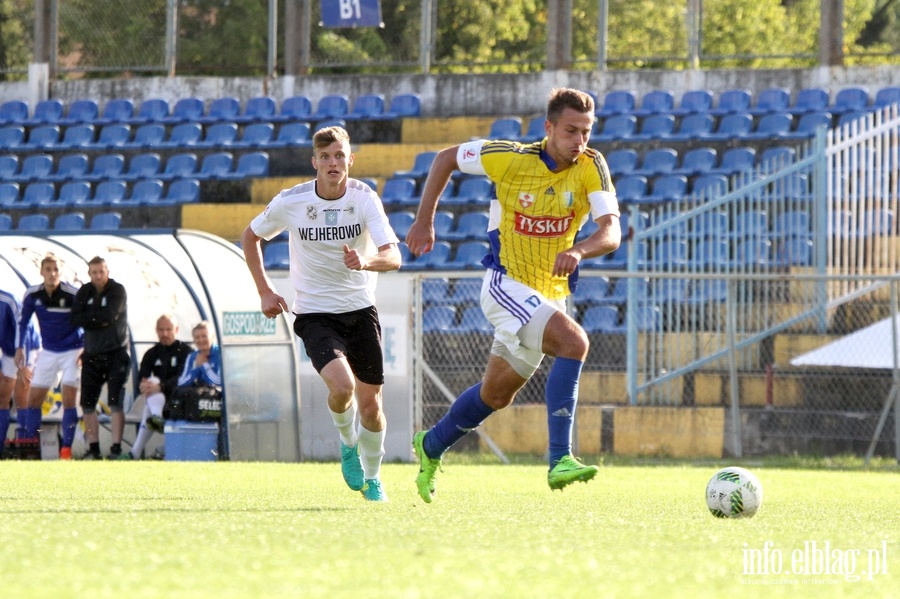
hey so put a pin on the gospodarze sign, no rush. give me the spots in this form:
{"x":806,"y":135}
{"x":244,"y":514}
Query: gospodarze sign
{"x":247,"y":323}
{"x":351,"y":13}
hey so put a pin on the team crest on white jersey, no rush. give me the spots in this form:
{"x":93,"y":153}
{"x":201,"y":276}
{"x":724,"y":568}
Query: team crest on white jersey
{"x":331,"y":217}
{"x":350,"y":209}
{"x":312,"y":213}
{"x":526,"y":199}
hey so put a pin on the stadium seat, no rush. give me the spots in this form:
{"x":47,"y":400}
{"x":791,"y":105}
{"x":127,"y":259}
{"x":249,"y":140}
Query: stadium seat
{"x":616,"y":102}
{"x":277,"y":255}
{"x":443,"y":223}
{"x":259,"y":109}
{"x":367,"y":106}
{"x":712,"y":224}
{"x":670,"y":291}
{"x":184,"y":111}
{"x":183,"y":191}
{"x":469,"y":255}
{"x":181,"y":136}
{"x":794,"y":223}
{"x":142,"y":166}
{"x":709,"y":187}
{"x":657,"y":126}
{"x":436,"y":291}
{"x":13,"y":112}
{"x":117,"y":110}
{"x":695,"y":100}
{"x":219,"y":135}
{"x":12,"y":137}
{"x":37,"y":194}
{"x":34,"y":222}
{"x":774,"y":99}
{"x":221,"y":110}
{"x":400,"y":221}
{"x":658,"y":101}
{"x":250,"y":165}
{"x":9,"y":166}
{"x":74,"y":192}
{"x":438,"y":319}
{"x":372,"y":183}
{"x":404,"y":105}
{"x":145,"y":192}
{"x":332,"y":106}
{"x":467,"y":291}
{"x":732,"y":100}
{"x":291,"y":134}
{"x":632,"y":188}
{"x":776,"y":158}
{"x":421,"y":166}
{"x":706,"y":291}
{"x":850,"y":119}
{"x":535,"y":130}
{"x":108,"y":192}
{"x":80,"y":111}
{"x":9,"y":194}
{"x":474,"y":190}
{"x":694,"y":126}
{"x":752,"y":223}
{"x":470,"y":226}
{"x":106,"y":166}
{"x":76,"y":137}
{"x":398,"y":190}
{"x":660,"y":161}
{"x":810,"y":99}
{"x":792,"y":187}
{"x":696,"y":161}
{"x":731,"y":126}
{"x":435,"y":259}
{"x":619,"y":293}
{"x":295,"y":108}
{"x":770,"y":126}
{"x":5,"y":221}
{"x":617,"y":127}
{"x":46,"y":112}
{"x":809,"y":124}
{"x":590,"y":291}
{"x":44,"y":137}
{"x":71,"y":221}
{"x":472,"y":321}
{"x":622,"y":162}
{"x":179,"y":166}
{"x":151,"y":110}
{"x":111,"y":137}
{"x":69,"y":167}
{"x":106,"y":221}
{"x":146,"y":136}
{"x":752,"y":252}
{"x":795,"y":251}
{"x":215,"y":165}
{"x":740,"y":160}
{"x":666,"y":188}
{"x":885,"y":96}
{"x":35,"y":167}
{"x":507,"y":128}
{"x":255,"y":135}
{"x":600,"y":319}
{"x":850,"y":99}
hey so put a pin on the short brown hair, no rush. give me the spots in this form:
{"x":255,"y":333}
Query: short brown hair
{"x":96,"y":260}
{"x":49,"y":259}
{"x":329,"y":135}
{"x":565,"y":97}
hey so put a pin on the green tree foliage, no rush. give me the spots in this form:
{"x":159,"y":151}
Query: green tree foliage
{"x":16,"y":26}
{"x":223,"y":37}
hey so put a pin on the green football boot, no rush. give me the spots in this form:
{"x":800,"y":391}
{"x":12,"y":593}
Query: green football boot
{"x":568,"y":470}
{"x":428,"y":468}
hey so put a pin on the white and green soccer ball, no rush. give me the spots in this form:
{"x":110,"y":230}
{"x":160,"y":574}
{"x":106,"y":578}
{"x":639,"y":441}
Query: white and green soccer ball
{"x":734,"y":493}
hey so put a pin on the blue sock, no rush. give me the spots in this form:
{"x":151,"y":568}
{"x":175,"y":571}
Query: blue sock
{"x":20,"y":423}
{"x":561,"y":393}
{"x":4,"y":425}
{"x":465,"y":415}
{"x":32,"y":422}
{"x":69,"y":422}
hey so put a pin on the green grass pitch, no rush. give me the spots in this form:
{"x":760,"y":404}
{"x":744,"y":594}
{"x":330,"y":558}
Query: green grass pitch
{"x":641,"y":529}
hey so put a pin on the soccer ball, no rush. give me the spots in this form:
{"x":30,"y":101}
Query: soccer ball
{"x":733,"y":493}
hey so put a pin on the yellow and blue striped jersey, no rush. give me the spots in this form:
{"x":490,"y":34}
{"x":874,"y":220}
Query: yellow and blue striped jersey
{"x":537,"y":212}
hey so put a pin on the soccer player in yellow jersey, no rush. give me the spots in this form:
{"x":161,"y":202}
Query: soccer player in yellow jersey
{"x":545,"y":192}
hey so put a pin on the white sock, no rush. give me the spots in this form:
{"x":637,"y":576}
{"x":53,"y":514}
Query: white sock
{"x":346,"y":425}
{"x":371,"y":450}
{"x":156,"y":402}
{"x":143,"y":434}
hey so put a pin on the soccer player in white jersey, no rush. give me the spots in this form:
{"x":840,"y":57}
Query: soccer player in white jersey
{"x":545,"y":192}
{"x":335,"y":224}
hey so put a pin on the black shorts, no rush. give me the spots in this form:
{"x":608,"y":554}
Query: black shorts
{"x":354,"y":335}
{"x":111,"y":368}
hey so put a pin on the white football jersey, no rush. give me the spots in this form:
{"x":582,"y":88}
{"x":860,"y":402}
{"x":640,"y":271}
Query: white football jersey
{"x":319,"y":229}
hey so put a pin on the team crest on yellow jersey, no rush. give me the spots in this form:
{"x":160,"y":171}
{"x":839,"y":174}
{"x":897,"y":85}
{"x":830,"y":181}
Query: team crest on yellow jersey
{"x":526,"y":199}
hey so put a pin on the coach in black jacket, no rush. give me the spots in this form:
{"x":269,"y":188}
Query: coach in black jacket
{"x":100,"y":308}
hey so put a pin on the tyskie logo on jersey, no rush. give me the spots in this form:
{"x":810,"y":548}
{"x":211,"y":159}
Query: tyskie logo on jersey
{"x":543,"y":226}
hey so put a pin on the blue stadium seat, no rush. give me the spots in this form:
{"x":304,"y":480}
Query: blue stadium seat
{"x":35,"y":167}
{"x":535,"y":130}
{"x":215,"y":165}
{"x":107,"y":193}
{"x":508,"y":128}
{"x":740,"y":160}
{"x":372,"y":183}
{"x":258,"y":109}
{"x":631,"y":189}
{"x":436,"y":291}
{"x":332,"y":106}
{"x":443,"y":223}
{"x":658,"y":101}
{"x":106,"y":221}
{"x":732,"y":100}
{"x":13,"y":112}
{"x":12,"y":137}
{"x":74,"y":192}
{"x":106,"y":166}
{"x":185,"y":110}
{"x":712,"y":224}
{"x":467,"y":291}
{"x":695,"y":100}
{"x":400,"y":221}
{"x":183,"y":191}
{"x":670,"y":291}
{"x":590,"y":291}
{"x":772,"y":125}
{"x":808,"y":124}
{"x":255,"y":135}
{"x":145,"y":192}
{"x":776,"y":158}
{"x":850,"y":118}
{"x":34,"y":222}
{"x":850,"y":99}
{"x":666,"y":188}
{"x":709,"y":187}
{"x":474,"y":190}
{"x":438,"y":319}
{"x":470,"y":226}
{"x":435,"y":259}
{"x":657,"y":126}
{"x":9,"y":194}
{"x":622,"y":162}
{"x":694,"y":126}
{"x":472,"y":321}
{"x":146,"y":136}
{"x":37,"y":194}
{"x":250,"y":165}
{"x":142,"y":166}
{"x":469,"y":255}
{"x":774,"y":99}
{"x":704,"y":291}
{"x":885,"y":96}
{"x":112,"y":136}
{"x":810,"y":99}
{"x":179,"y":166}
{"x":221,"y":110}
{"x":752,"y":252}
{"x":292,"y":134}
{"x":277,"y":255}
{"x":46,"y":112}
{"x":183,"y":135}
{"x":398,"y":190}
{"x":421,"y":166}
{"x":619,"y":293}
{"x":5,"y":221}
{"x":616,"y":127}
{"x":367,"y":106}
{"x":9,"y":166}
{"x":219,"y":135}
{"x":697,"y":161}
{"x":600,"y":319}
{"x":752,"y":223}
{"x":620,"y":101}
{"x":404,"y":105}
{"x":44,"y":137}
{"x":151,"y":110}
{"x":794,"y":223}
{"x":117,"y":110}
{"x":660,"y":161}
{"x":84,"y":110}
{"x":795,"y":251}
{"x":71,"y":221}
{"x":731,"y":126}
{"x":295,"y":108}
{"x":69,"y":167}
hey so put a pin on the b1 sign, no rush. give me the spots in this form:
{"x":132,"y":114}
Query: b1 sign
{"x":351,"y":13}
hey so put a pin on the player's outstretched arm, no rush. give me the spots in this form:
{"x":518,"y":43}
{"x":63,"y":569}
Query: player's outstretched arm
{"x":271,"y":303}
{"x":420,"y":237}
